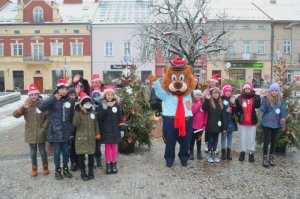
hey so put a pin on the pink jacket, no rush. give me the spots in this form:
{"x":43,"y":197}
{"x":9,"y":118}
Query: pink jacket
{"x":199,"y":116}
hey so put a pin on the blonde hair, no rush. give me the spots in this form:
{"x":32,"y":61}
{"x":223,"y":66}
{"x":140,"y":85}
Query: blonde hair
{"x":273,"y":100}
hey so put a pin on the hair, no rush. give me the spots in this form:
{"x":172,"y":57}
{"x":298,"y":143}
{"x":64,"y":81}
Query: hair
{"x":194,"y":98}
{"x":212,"y":101}
{"x":273,"y":100}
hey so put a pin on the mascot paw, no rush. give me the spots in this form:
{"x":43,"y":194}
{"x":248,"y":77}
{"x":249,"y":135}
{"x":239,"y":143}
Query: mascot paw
{"x":152,"y":78}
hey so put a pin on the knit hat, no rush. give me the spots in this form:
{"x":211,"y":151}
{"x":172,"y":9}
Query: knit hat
{"x":96,"y":77}
{"x":95,"y":92}
{"x":213,"y":89}
{"x":71,"y":91}
{"x":247,"y":85}
{"x":274,"y":87}
{"x":62,"y":83}
{"x":226,"y":88}
{"x":215,"y":78}
{"x":84,"y":98}
{"x":108,"y":89}
{"x":197,"y":91}
{"x":33,"y":89}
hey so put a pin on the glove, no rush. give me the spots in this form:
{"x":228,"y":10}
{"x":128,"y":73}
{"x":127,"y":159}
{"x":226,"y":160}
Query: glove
{"x":122,"y":134}
{"x":104,"y":104}
{"x":98,"y":136}
{"x":282,"y":123}
{"x":232,"y":99}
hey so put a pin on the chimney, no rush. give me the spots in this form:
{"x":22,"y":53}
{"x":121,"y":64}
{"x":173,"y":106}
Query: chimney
{"x":273,"y":1}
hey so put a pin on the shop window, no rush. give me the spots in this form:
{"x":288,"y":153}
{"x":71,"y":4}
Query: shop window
{"x":18,"y":80}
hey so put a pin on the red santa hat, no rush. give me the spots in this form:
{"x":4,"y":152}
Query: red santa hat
{"x":96,"y":77}
{"x":108,"y":89}
{"x":226,"y":88}
{"x":33,"y":89}
{"x":84,"y":98}
{"x":62,"y":83}
{"x":215,"y":78}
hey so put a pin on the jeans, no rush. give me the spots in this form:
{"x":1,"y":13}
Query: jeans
{"x":98,"y":153}
{"x":73,"y":155}
{"x":212,"y":141}
{"x":227,"y":136}
{"x":33,"y":153}
{"x":269,"y":135}
{"x":61,"y":147}
{"x":81,"y":160}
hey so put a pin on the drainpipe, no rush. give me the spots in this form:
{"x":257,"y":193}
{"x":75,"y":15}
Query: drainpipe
{"x":91,"y":48}
{"x":272,"y":48}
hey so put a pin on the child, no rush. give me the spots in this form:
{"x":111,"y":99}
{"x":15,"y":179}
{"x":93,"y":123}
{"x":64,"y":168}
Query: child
{"x":61,"y":109}
{"x":246,"y":104}
{"x":199,"y":123}
{"x":110,"y":121}
{"x":86,"y":134}
{"x":274,"y":115}
{"x":229,"y":105}
{"x":96,"y":83}
{"x":216,"y":121}
{"x":35,"y":129}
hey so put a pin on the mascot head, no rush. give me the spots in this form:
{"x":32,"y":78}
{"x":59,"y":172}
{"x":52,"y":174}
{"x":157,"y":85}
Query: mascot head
{"x":178,"y":78}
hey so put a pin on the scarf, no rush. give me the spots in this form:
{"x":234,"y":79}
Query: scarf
{"x":179,"y":121}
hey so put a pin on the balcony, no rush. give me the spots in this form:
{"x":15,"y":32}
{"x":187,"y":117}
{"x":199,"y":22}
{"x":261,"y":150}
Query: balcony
{"x":241,"y":57}
{"x":35,"y":58}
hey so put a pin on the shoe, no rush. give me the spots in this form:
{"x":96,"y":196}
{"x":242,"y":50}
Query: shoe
{"x":91,"y":173}
{"x":34,"y":171}
{"x":169,"y":164}
{"x":192,"y":155}
{"x":83,"y":175}
{"x":251,"y":157}
{"x":215,"y":157}
{"x":265,"y":161}
{"x":210,"y":157}
{"x":206,"y":147}
{"x":66,"y":172}
{"x":223,"y":156}
{"x":108,"y":170}
{"x":272,"y":160}
{"x":73,"y":166}
{"x":184,"y":163}
{"x":114,"y":168}
{"x":58,"y":175}
{"x":45,"y":169}
{"x":98,"y":162}
{"x":199,"y":155}
{"x":229,"y":154}
{"x":242,"y":156}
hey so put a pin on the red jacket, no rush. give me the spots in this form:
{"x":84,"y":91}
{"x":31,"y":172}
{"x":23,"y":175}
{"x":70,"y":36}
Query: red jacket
{"x":199,"y":116}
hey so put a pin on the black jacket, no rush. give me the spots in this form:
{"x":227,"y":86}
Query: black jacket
{"x":230,"y":116}
{"x":216,"y":118}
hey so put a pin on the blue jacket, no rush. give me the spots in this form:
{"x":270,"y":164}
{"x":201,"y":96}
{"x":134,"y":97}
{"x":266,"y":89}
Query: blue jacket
{"x":60,"y":118}
{"x":272,"y":115}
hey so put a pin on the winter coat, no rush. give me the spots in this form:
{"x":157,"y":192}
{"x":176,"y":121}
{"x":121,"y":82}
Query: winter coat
{"x":36,"y":124}
{"x":87,"y":128}
{"x":60,"y":118}
{"x":272,"y":115}
{"x":199,"y":115}
{"x":109,"y":120}
{"x":230,"y":110}
{"x":216,"y":118}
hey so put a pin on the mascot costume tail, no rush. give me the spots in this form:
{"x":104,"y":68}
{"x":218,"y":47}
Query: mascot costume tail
{"x":175,"y":90}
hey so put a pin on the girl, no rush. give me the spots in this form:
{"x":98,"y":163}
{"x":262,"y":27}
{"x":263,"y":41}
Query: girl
{"x":229,"y":105}
{"x":216,"y":121}
{"x":110,"y":121}
{"x":199,"y":123}
{"x":274,"y":114}
{"x":35,"y":129}
{"x":86,"y":135}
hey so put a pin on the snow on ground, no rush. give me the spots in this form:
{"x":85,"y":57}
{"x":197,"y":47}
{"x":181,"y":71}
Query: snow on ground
{"x":8,"y":121}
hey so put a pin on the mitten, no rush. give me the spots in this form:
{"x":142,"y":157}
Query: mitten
{"x":98,"y":136}
{"x":122,"y":134}
{"x":104,"y":104}
{"x":282,"y":123}
{"x":232,"y":99}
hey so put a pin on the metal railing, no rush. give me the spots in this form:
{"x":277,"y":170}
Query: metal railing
{"x":35,"y":57}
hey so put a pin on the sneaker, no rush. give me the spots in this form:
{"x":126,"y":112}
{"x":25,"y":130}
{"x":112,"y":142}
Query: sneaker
{"x":209,"y":157}
{"x":251,"y":157}
{"x":66,"y":172}
{"x":215,"y":157}
{"x":272,"y":160}
{"x":242,"y":156}
{"x":265,"y":161}
{"x":58,"y":175}
{"x":206,"y":147}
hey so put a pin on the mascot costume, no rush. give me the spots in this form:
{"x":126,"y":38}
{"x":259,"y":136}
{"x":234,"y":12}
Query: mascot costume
{"x":175,"y":90}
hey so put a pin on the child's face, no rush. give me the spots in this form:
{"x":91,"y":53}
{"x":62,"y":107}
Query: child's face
{"x":109,"y":96}
{"x":72,"y":96}
{"x":34,"y":97}
{"x":96,"y":84}
{"x":274,"y":93}
{"x":63,"y":91}
{"x":198,"y":96}
{"x":228,"y":94}
{"x":212,"y":84}
{"x":215,"y":94}
{"x":247,"y":90}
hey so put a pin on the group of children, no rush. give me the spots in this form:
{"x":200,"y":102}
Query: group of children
{"x":75,"y":124}
{"x":218,"y":111}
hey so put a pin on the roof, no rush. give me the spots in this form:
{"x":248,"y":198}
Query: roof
{"x":8,"y":13}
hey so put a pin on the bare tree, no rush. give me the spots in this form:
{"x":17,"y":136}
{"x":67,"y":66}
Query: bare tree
{"x":181,"y":28}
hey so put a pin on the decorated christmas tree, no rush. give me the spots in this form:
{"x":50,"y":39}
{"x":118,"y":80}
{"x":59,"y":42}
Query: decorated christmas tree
{"x":136,"y":109}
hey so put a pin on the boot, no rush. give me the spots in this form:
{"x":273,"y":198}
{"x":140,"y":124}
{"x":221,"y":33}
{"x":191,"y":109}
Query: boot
{"x":108,"y":170}
{"x":265,"y":161}
{"x":73,"y":166}
{"x":91,"y":173}
{"x":251,"y":157}
{"x":215,"y":157}
{"x":210,"y":157}
{"x":114,"y":168}
{"x":223,"y":156}
{"x":272,"y":160}
{"x":191,"y":155}
{"x":206,"y":147}
{"x":242,"y":156}
{"x":83,"y":174}
{"x":45,"y":169}
{"x":229,"y":154}
{"x":199,"y":155}
{"x":34,"y":171}
{"x":58,"y":175}
{"x":98,"y":162}
{"x":66,"y":172}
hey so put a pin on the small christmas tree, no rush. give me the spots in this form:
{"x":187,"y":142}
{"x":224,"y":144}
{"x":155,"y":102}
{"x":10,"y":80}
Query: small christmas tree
{"x":136,"y":109}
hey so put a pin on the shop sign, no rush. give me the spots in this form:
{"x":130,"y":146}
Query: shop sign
{"x":248,"y":65}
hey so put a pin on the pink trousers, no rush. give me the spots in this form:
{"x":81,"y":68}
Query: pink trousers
{"x":111,"y":152}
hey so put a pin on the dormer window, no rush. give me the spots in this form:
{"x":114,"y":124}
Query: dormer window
{"x":38,"y":15}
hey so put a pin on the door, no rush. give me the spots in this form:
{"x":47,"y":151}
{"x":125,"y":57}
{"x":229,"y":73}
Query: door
{"x":38,"y":52}
{"x":39,"y":83}
{"x":2,"y":84}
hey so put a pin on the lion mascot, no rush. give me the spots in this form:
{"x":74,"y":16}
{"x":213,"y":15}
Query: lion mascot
{"x":175,"y":90}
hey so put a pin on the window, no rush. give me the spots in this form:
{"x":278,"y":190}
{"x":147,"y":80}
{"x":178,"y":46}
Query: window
{"x":216,"y":72}
{"x":56,"y":31}
{"x":56,"y":76}
{"x":17,"y":32}
{"x":127,"y":48}
{"x":257,"y":79}
{"x":164,"y":52}
{"x":145,"y":75}
{"x":37,"y":51}
{"x":38,"y":14}
{"x":18,"y":80}
{"x":56,"y":49}
{"x":246,"y":26}
{"x":1,"y":49}
{"x":77,"y":49}
{"x":108,"y":48}
{"x":231,"y":47}
{"x":111,"y":76}
{"x":37,"y":31}
{"x":231,"y":26}
{"x":287,"y":46}
{"x":261,"y":47}
{"x":17,"y":49}
{"x":238,"y":75}
{"x":76,"y":31}
{"x":75,"y":72}
{"x":247,"y":47}
{"x":261,"y":27}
